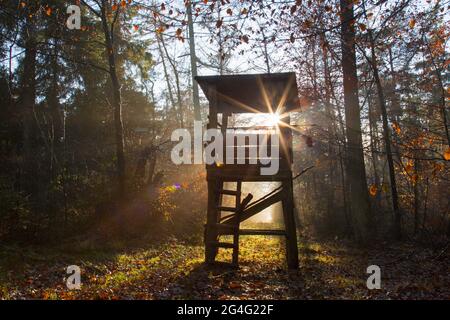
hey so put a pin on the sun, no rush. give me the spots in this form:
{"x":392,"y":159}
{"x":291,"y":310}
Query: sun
{"x":274,"y":119}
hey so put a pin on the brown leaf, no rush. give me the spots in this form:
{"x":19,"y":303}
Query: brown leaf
{"x":293,"y":9}
{"x":235,"y":285}
{"x":292,"y":38}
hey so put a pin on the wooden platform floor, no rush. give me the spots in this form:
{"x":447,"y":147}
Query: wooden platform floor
{"x":230,"y":173}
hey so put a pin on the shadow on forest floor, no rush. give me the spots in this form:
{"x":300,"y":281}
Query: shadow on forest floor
{"x":173,"y":270}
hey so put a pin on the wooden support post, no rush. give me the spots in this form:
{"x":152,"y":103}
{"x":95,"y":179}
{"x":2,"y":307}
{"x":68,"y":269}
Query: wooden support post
{"x":289,"y":222}
{"x":237,"y":222}
{"x":286,"y":142}
{"x":214,"y":185}
{"x":212,"y":116}
{"x":212,"y":217}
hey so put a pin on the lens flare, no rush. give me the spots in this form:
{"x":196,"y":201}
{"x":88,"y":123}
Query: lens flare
{"x":274,"y":119}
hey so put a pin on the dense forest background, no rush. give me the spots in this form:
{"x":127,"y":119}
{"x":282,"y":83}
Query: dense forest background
{"x":86,"y":115}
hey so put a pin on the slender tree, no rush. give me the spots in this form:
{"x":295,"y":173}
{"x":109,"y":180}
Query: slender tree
{"x":193,"y":56}
{"x":360,"y":207}
{"x":109,"y":22}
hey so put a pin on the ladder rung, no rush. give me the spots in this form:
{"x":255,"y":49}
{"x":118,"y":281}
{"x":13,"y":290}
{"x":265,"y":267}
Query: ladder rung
{"x":263,"y":232}
{"x":227,"y":229}
{"x":222,"y":244}
{"x":230,"y":209}
{"x":230,"y":192}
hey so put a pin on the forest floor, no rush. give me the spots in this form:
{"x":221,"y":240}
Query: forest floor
{"x":173,"y":270}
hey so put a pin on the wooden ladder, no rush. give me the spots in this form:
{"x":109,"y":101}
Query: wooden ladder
{"x":231,"y":228}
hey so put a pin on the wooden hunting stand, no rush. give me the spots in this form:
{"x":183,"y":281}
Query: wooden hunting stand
{"x":261,"y":93}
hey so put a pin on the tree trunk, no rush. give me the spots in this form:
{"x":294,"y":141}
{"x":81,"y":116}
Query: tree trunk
{"x":116,"y":101}
{"x":265,"y":51}
{"x":27,"y":103}
{"x":387,"y":142}
{"x":166,"y":74}
{"x":55,"y":108}
{"x":177,"y":83}
{"x":195,"y":95}
{"x":360,"y":207}
{"x":330,"y":129}
{"x":373,"y":150}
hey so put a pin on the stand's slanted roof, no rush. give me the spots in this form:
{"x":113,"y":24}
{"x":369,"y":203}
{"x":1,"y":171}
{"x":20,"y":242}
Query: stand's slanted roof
{"x":250,"y":93}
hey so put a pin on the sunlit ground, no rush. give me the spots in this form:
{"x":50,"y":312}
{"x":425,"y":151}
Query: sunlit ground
{"x":173,"y":270}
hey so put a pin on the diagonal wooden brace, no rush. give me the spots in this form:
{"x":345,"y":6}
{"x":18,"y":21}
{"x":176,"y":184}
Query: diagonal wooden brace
{"x":257,"y":207}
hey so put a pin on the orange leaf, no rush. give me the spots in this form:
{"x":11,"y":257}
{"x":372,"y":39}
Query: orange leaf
{"x":48,"y":11}
{"x":362,"y":26}
{"x":373,"y":190}
{"x":396,"y":127}
{"x":412,"y":23}
{"x":114,"y":7}
{"x":409,"y":167}
{"x":447,"y":154}
{"x":123,"y":3}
